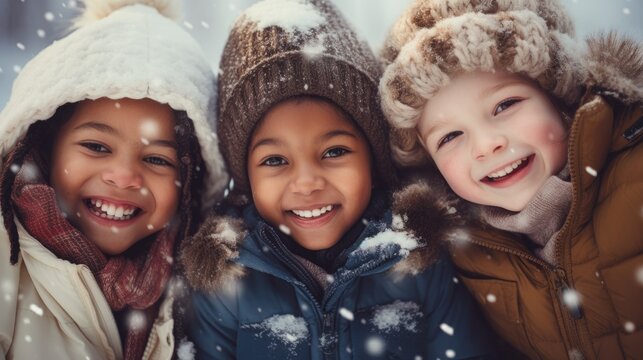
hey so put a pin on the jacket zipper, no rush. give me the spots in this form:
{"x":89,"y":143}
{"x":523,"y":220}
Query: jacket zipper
{"x":561,"y":285}
{"x":328,"y":320}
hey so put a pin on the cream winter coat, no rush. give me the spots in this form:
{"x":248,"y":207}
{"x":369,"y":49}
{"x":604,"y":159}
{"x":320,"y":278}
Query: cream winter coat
{"x":53,"y":309}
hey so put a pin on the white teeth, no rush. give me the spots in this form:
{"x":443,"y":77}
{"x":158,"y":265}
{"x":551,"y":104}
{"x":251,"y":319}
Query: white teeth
{"x":313,"y":213}
{"x":111,"y":211}
{"x":507,"y":170}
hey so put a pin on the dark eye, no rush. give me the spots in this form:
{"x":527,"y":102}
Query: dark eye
{"x":95,"y":147}
{"x":335,"y":152}
{"x":274,"y":161}
{"x":159,"y":161}
{"x":504,"y":105}
{"x":448,"y":137}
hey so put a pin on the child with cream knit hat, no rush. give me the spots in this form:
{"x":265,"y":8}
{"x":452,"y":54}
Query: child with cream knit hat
{"x":108,"y":157}
{"x":545,"y":139}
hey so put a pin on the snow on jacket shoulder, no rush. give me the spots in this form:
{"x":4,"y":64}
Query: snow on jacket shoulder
{"x":391,"y":299}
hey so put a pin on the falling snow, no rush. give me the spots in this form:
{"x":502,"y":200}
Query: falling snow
{"x":571,"y":298}
{"x":446,"y":328}
{"x":136,"y":320}
{"x":186,"y":350}
{"x":491,"y":298}
{"x":397,"y":316}
{"x":284,"y":229}
{"x":346,"y":314}
{"x":591,"y":171}
{"x":629,"y":327}
{"x":450,"y":354}
{"x":375,"y":346}
{"x":36,"y":309}
{"x":639,"y":275}
{"x":49,"y":16}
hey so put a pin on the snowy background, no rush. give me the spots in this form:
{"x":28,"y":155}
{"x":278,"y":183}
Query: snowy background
{"x":27,"y":26}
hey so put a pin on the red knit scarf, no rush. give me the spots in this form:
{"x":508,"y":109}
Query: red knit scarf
{"x":134,"y":280}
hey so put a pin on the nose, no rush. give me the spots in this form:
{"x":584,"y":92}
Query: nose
{"x":123,"y":176}
{"x":487,"y":144}
{"x":307,"y":179}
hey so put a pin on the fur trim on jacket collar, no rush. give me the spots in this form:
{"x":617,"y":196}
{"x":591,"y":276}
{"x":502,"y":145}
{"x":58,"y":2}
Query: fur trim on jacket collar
{"x":615,"y":67}
{"x":208,"y":256}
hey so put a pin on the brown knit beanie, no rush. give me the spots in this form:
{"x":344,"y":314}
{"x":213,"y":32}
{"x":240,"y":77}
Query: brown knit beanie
{"x":433,"y":41}
{"x":278,"y":49}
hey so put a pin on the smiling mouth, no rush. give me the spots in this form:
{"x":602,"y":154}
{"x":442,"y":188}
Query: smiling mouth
{"x":508,"y":171}
{"x":313,"y":213}
{"x":110,"y":211}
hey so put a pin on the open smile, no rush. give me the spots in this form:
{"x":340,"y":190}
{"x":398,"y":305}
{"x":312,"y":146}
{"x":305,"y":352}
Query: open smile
{"x":108,"y":210}
{"x":313,"y":217}
{"x":510,"y":174}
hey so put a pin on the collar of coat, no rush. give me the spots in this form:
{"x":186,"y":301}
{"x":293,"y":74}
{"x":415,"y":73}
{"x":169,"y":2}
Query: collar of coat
{"x":208,"y":256}
{"x":614,"y":67}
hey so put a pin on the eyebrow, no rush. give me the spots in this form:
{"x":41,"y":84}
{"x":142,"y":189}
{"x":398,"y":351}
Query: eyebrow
{"x":112,"y":131}
{"x":434,"y":125}
{"x":328,"y":135}
{"x":495,"y":88}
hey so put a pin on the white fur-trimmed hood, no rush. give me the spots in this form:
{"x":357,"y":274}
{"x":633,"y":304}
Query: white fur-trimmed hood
{"x":132,"y":52}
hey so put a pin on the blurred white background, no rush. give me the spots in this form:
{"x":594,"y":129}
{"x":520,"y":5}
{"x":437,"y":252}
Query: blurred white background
{"x":27,"y":26}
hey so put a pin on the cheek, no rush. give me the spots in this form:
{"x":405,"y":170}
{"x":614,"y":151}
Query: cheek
{"x":266,"y":195}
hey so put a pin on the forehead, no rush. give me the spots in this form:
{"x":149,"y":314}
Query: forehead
{"x":141,"y":115}
{"x":306,"y":117}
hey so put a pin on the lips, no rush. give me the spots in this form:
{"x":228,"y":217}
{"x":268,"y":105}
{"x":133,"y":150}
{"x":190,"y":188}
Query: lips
{"x":314,"y":216}
{"x":509,"y":171}
{"x":109,"y":210}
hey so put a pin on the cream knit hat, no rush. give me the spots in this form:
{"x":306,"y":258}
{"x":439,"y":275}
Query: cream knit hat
{"x":437,"y":39}
{"x":121,"y":49}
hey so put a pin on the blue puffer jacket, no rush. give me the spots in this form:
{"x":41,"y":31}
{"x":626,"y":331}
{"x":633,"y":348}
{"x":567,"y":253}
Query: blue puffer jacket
{"x":369,"y":311}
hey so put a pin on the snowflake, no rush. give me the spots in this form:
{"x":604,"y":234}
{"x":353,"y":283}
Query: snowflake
{"x":36,"y":309}
{"x":284,"y":229}
{"x":446,"y":328}
{"x":491,"y":298}
{"x":346,"y":314}
{"x":375,"y":346}
{"x":185,"y":350}
{"x":591,"y":171}
{"x":136,"y":320}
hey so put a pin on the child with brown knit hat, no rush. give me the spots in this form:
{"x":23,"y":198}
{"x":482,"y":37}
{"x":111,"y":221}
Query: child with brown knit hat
{"x":325,"y":268}
{"x":545,"y":139}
